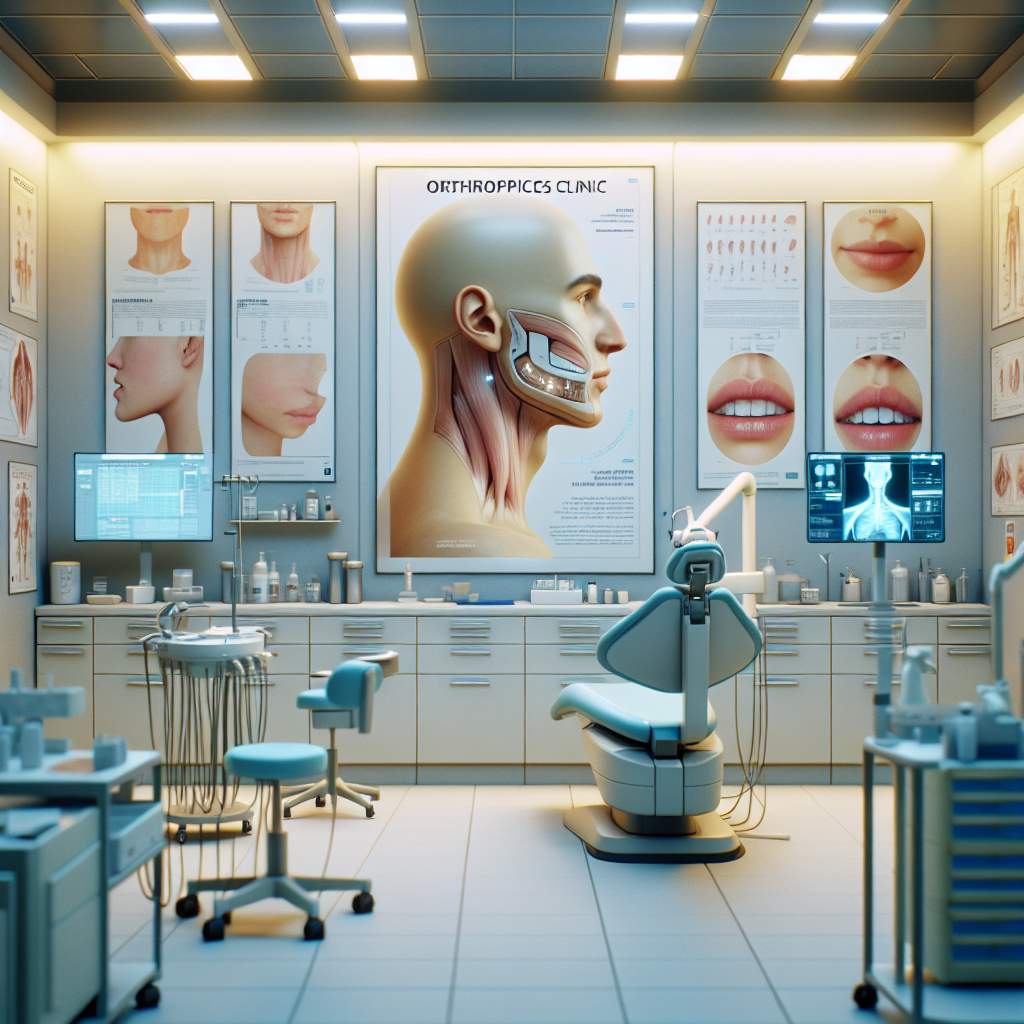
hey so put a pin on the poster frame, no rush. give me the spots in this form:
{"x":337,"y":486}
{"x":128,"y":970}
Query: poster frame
{"x":13,"y":172}
{"x":11,"y":588}
{"x":1018,"y":508}
{"x":994,"y":255}
{"x":11,"y":438}
{"x":991,"y":365}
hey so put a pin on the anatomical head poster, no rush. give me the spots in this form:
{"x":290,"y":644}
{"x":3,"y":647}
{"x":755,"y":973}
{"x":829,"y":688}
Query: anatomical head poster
{"x":159,"y":327}
{"x":1007,"y":361}
{"x":19,"y":387}
{"x":514,"y":368}
{"x":1008,"y":480}
{"x":1008,"y":250}
{"x":24,"y":234}
{"x":21,"y":526}
{"x":878,"y":326}
{"x":750,"y":342}
{"x":282,"y":340}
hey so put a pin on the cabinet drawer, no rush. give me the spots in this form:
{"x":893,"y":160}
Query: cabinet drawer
{"x":570,"y":629}
{"x":466,"y":657}
{"x":289,"y":660}
{"x":853,"y":629}
{"x":548,"y":741}
{"x":283,"y":629}
{"x":861,"y":659}
{"x":563,"y":659}
{"x":125,"y":659}
{"x":470,"y":629}
{"x":853,"y":713}
{"x":795,"y":629}
{"x":324,"y":657}
{"x":384,"y":629}
{"x":61,"y":629}
{"x":798,"y":718}
{"x":966,"y":629}
{"x":111,"y":629}
{"x":122,"y":709}
{"x":471,"y":719}
{"x":962,"y":667}
{"x":70,"y":665}
{"x":287,"y":723}
{"x":392,"y":740}
{"x":786,"y":658}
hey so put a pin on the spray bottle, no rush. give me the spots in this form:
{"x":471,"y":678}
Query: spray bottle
{"x":916,"y":661}
{"x":259,"y":581}
{"x":273,"y":584}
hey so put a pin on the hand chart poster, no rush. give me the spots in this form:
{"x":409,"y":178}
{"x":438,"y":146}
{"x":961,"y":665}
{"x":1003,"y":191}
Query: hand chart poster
{"x":1008,"y":480}
{"x":878,"y":326}
{"x":19,"y":388}
{"x":1007,"y":383}
{"x":24,"y":233}
{"x":282,"y":340}
{"x":515,"y":369}
{"x":751,"y":342}
{"x":21,"y":547}
{"x":159,"y":327}
{"x":1008,"y":250}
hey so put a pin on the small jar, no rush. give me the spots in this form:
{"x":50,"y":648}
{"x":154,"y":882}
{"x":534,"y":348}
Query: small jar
{"x":311,"y":507}
{"x":353,"y":582}
{"x":312,"y":591}
{"x":227,"y":570}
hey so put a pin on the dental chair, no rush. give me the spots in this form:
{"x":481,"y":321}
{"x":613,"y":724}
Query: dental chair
{"x":651,"y":741}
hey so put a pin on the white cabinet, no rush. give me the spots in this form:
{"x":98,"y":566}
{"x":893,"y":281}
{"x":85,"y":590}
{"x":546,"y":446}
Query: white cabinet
{"x":69,"y":665}
{"x":58,"y":629}
{"x":788,"y":658}
{"x":384,"y":629}
{"x":457,"y":629}
{"x":324,"y":657}
{"x":502,"y":659}
{"x":548,"y":741}
{"x":392,"y":740}
{"x":471,"y":719}
{"x":962,"y":667}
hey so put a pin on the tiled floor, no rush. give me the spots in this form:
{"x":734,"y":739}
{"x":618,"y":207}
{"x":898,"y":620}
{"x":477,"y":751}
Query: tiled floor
{"x":489,"y":911}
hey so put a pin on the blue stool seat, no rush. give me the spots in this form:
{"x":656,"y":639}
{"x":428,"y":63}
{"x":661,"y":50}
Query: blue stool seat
{"x":276,"y":762}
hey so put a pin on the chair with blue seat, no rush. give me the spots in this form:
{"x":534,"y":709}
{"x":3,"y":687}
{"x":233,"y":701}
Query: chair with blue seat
{"x":344,"y":702}
{"x":651,"y":740}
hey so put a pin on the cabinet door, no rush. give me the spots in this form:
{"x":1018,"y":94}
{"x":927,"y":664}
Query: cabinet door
{"x":471,"y":719}
{"x":122,"y":709}
{"x":473,"y":659}
{"x":570,"y":629}
{"x":325,"y":657}
{"x":548,"y":741}
{"x":360,"y":629}
{"x":392,"y":739}
{"x":466,"y":628}
{"x":70,"y":665}
{"x":965,"y":629}
{"x":287,"y":723}
{"x":787,"y":659}
{"x":796,"y":629}
{"x":962,"y":667}
{"x":578,"y":658}
{"x":280,"y":629}
{"x":63,"y":629}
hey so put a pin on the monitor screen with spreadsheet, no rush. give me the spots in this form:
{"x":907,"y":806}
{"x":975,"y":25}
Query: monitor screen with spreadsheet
{"x":143,"y":497}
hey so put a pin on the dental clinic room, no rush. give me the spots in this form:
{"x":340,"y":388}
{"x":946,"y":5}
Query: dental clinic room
{"x":515,"y":511}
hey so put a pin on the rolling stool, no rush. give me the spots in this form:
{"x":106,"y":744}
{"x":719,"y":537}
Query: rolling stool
{"x":276,"y":763}
{"x":346,"y":702}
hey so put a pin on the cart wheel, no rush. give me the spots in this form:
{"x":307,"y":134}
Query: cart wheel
{"x":187,"y":906}
{"x":147,"y":997}
{"x":362,"y":903}
{"x":181,"y":835}
{"x":246,"y":826}
{"x":370,"y":812}
{"x":313,"y":930}
{"x":226,"y":917}
{"x":287,"y":812}
{"x":213,"y":930}
{"x":865,"y":996}
{"x":321,"y":801}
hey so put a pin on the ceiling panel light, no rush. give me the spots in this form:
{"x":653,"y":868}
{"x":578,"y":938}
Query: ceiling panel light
{"x":851,"y":18}
{"x":227,"y":67}
{"x":820,"y":67}
{"x":369,"y":18}
{"x":662,"y":18}
{"x":377,"y":67}
{"x":190,"y":18}
{"x":639,"y":67}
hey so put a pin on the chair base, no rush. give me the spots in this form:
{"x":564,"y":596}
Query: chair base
{"x":362,"y":796}
{"x":710,"y":839}
{"x":292,"y":889}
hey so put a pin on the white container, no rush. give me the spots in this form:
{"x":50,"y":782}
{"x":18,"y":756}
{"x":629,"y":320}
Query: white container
{"x":559,"y":596}
{"x":311,"y":506}
{"x":591,"y":592}
{"x":770,"y":594}
{"x":259,"y":580}
{"x":899,"y":582}
{"x":291,"y":587}
{"x":965,"y":728}
{"x":273,"y":584}
{"x":65,"y":582}
{"x":941,"y":588}
{"x":181,"y":579}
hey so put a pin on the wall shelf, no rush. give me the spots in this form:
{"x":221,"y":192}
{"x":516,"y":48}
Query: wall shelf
{"x":285,"y":522}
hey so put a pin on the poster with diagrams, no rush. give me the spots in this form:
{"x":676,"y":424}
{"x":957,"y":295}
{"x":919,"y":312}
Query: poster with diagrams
{"x":159,"y":327}
{"x":282,"y":340}
{"x":1007,"y":250}
{"x":1008,"y":480}
{"x":515,"y":369}
{"x":877,"y":326}
{"x":751,"y":342}
{"x":22,"y":515}
{"x":23,"y":231}
{"x":19,"y":387}
{"x":1007,"y":383}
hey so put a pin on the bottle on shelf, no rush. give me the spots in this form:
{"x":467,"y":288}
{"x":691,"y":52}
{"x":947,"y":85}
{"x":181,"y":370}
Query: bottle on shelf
{"x":273,"y":584}
{"x":770,"y":594}
{"x":291,"y":586}
{"x":260,"y":578}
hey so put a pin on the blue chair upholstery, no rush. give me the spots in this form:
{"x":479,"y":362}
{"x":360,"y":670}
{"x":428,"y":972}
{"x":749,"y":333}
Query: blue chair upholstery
{"x":349,"y":688}
{"x":275,"y":762}
{"x":681,"y":564}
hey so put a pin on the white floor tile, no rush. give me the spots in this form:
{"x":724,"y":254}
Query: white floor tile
{"x":214,"y":972}
{"x":814,"y":973}
{"x":356,"y":971}
{"x":674,"y":948}
{"x":531,"y":924}
{"x":701,"y":1006}
{"x":547,"y":946}
{"x":225,"y":1006}
{"x":340,"y":944}
{"x":833,"y":1006}
{"x":807,"y":947}
{"x":534,"y":973}
{"x":738,"y":973}
{"x":525,"y":1006}
{"x":373,"y":1006}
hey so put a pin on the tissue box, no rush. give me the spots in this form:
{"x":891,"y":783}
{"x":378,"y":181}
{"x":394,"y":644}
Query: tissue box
{"x":556,"y":597}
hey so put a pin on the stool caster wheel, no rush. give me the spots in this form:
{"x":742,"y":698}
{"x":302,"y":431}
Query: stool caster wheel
{"x":147,"y":997}
{"x":187,"y":906}
{"x":226,"y":917}
{"x":246,"y":827}
{"x":370,"y":812}
{"x":321,"y":801}
{"x":287,"y":812}
{"x":213,"y":930}
{"x":181,"y":835}
{"x":865,"y":996}
{"x":313,"y":930}
{"x":362,"y":903}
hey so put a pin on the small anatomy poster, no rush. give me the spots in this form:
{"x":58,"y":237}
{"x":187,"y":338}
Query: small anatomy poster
{"x":878,"y":326}
{"x":19,"y":387}
{"x":24,"y":235}
{"x":1007,"y":250}
{"x":22,"y":514}
{"x":751,"y":342}
{"x":1008,"y":480}
{"x":1007,"y":383}
{"x":282,"y":340}
{"x":158,"y":345}
{"x":515,"y":369}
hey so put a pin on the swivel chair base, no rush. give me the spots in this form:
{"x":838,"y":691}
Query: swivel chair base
{"x":357,"y":794}
{"x":708,"y":839}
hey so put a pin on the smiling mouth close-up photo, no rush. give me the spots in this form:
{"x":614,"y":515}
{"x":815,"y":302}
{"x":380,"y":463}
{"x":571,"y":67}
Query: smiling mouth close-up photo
{"x":877,"y":406}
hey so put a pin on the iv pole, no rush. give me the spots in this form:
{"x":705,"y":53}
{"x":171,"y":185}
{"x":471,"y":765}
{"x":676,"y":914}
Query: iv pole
{"x":226,"y":483}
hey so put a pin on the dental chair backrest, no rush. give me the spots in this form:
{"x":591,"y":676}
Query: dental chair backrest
{"x":685,"y":638}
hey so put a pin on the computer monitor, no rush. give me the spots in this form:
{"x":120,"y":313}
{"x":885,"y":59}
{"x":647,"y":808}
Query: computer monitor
{"x":897,"y":497}
{"x":143,"y":497}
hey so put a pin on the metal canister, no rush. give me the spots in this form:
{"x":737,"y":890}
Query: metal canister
{"x":336,"y":583}
{"x":353,"y":582}
{"x":227,"y":570}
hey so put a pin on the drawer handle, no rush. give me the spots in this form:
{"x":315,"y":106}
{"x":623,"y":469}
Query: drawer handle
{"x":784,"y":623}
{"x":874,"y":682}
{"x":62,"y":650}
{"x":781,"y":682}
{"x":368,"y":624}
{"x":368,"y":649}
{"x":898,"y":651}
{"x":579,"y":627}
{"x":969,"y":652}
{"x":470,"y":652}
{"x":581,"y":679}
{"x":783,"y":652}
{"x":63,"y":623}
{"x":144,"y":682}
{"x":269,"y":682}
{"x":977,"y":624}
{"x":469,"y":682}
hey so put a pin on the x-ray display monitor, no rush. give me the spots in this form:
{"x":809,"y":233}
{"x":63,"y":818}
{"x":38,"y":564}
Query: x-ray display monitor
{"x":898,"y":497}
{"x":143,"y":497}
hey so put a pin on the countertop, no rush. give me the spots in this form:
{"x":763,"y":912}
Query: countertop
{"x":913,"y":608}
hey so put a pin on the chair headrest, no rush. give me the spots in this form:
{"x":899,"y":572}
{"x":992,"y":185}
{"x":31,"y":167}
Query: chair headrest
{"x":685,"y":559}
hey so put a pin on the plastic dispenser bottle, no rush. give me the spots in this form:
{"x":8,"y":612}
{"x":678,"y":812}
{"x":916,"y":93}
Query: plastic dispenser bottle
{"x":291,"y":586}
{"x":916,"y":661}
{"x":770,"y":595}
{"x":965,"y":729}
{"x":899,"y":582}
{"x":941,"y":588}
{"x":273,"y":584}
{"x":260,"y":580}
{"x":963,"y":587}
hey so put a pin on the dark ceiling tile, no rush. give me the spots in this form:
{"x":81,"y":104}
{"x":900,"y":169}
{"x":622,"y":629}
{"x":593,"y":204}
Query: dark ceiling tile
{"x":952,"y":35}
{"x":271,"y":6}
{"x":836,"y":38}
{"x":733,"y":65}
{"x":564,"y":6}
{"x":967,"y":66}
{"x":562,"y":35}
{"x":760,"y":6}
{"x":464,"y":6}
{"x":902,"y":65}
{"x":9,"y":7}
{"x":129,"y":65}
{"x":964,"y":7}
{"x":655,"y":38}
{"x":747,"y":35}
{"x":299,"y":65}
{"x":78,"y":35}
{"x":284,"y":35}
{"x":469,"y":65}
{"x":466,"y":35}
{"x":560,"y":65}
{"x":196,"y":38}
{"x":63,"y":66}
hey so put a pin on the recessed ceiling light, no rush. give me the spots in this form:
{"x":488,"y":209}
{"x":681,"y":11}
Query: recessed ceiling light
{"x":851,"y":18}
{"x":662,"y":18}
{"x":639,"y":67}
{"x":188,"y":18}
{"x":369,"y":18}
{"x":376,"y":67}
{"x":818,"y":66}
{"x":214,"y":67}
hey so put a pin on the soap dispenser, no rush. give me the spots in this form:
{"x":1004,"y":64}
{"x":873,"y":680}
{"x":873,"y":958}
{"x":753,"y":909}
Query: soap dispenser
{"x":916,"y":661}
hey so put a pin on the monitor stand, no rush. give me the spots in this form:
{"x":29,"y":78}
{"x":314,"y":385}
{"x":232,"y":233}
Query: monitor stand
{"x":881,"y":629}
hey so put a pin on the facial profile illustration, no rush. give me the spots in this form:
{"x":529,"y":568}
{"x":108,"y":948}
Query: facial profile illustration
{"x":285,"y":255}
{"x":160,"y":376}
{"x":878,"y":248}
{"x":502,"y":304}
{"x":280,"y":399}
{"x":23,"y":388}
{"x":158,"y":244}
{"x":750,"y":408}
{"x":877,"y":406}
{"x":878,"y":517}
